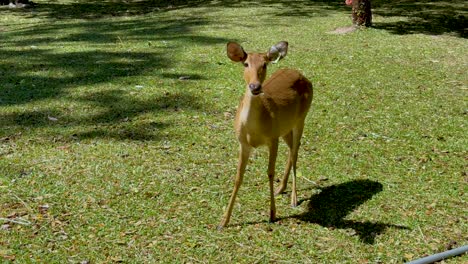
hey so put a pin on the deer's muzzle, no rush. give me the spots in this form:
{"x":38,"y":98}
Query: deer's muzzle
{"x":255,"y":88}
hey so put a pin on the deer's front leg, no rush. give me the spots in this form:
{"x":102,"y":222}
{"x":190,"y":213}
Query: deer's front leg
{"x":271,"y":175}
{"x":244,"y":154}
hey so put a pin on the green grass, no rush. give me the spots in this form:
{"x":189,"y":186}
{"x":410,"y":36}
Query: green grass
{"x":107,"y":156}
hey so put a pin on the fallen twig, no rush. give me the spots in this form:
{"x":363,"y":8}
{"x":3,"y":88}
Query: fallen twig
{"x":19,"y":221}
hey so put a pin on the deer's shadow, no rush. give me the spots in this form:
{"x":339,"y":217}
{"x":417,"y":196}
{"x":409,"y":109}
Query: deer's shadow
{"x":330,"y":207}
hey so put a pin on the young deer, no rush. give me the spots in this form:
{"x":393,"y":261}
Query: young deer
{"x":269,"y":110}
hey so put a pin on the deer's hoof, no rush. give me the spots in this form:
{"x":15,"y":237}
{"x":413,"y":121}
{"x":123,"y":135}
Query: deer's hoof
{"x":294,"y":203}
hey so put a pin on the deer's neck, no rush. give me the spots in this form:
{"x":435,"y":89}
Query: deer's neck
{"x":252,"y":108}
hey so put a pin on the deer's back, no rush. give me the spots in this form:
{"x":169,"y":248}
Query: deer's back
{"x":287,"y":94}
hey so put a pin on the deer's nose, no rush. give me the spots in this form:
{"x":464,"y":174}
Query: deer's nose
{"x":255,"y":88}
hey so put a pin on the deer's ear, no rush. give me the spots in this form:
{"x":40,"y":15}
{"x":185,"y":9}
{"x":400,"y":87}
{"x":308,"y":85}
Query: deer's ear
{"x":235,"y":52}
{"x":278,"y":51}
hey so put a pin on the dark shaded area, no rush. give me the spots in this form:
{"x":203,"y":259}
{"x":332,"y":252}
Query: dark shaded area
{"x":24,"y":83}
{"x":430,"y":17}
{"x":117,"y":111}
{"x":91,"y":9}
{"x":78,"y":68}
{"x":330,"y":207}
{"x":334,"y":203}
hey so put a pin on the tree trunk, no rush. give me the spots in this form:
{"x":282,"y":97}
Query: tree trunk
{"x":362,"y":14}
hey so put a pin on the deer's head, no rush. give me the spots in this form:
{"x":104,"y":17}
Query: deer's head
{"x":255,"y":64}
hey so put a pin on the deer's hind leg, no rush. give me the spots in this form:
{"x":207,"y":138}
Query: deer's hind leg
{"x":297,"y":134}
{"x":288,"y":138}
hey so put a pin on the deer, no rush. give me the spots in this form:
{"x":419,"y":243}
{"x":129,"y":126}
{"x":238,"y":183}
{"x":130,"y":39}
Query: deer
{"x":269,"y":110}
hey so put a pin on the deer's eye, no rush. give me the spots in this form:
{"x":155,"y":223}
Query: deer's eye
{"x":246,"y":65}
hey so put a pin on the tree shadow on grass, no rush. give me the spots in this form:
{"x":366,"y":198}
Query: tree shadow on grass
{"x":93,"y":9}
{"x":330,"y":207}
{"x":112,"y":110}
{"x":423,"y":17}
{"x":44,"y":74}
{"x":34,"y":69}
{"x":117,"y":117}
{"x":31,"y":71}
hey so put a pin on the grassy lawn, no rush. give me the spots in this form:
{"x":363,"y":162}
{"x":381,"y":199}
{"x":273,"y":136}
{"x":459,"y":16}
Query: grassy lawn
{"x":117,"y":141}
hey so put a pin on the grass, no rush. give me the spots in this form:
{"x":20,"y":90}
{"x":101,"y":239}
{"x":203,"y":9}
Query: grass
{"x":107,"y":155}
